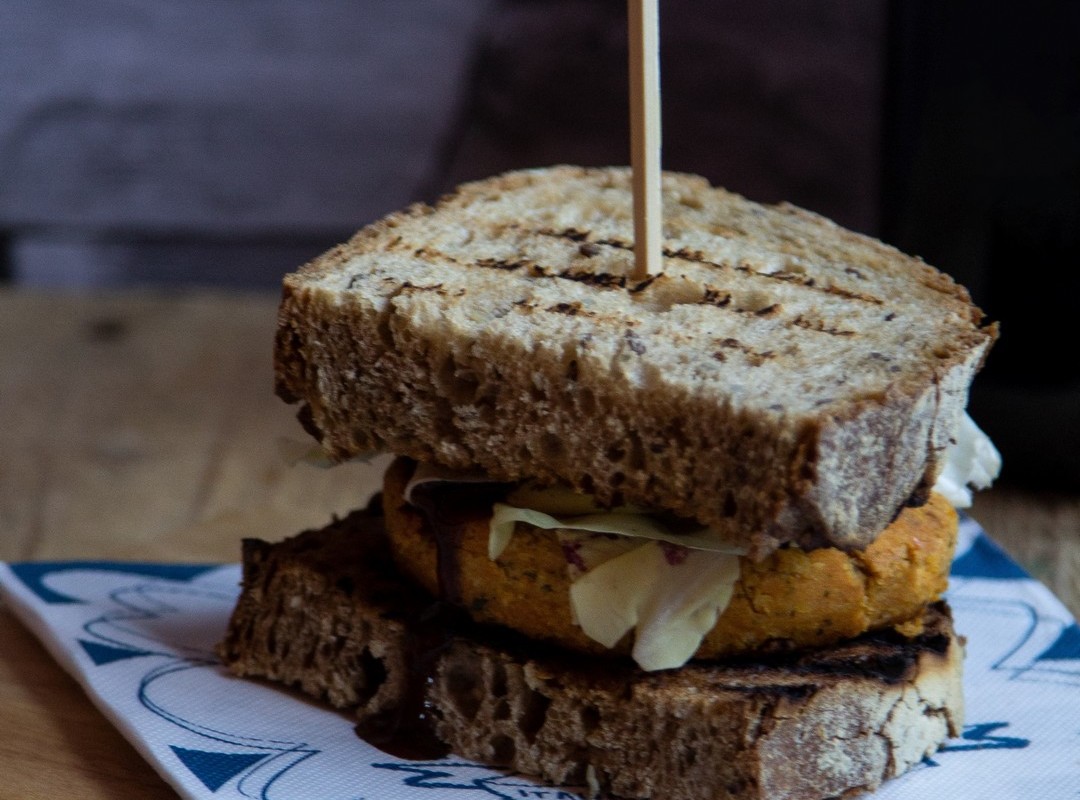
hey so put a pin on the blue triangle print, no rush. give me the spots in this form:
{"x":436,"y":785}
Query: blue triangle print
{"x":986,"y":560}
{"x":106,"y":654}
{"x":34,"y":573}
{"x":1067,"y":646}
{"x":216,"y":769}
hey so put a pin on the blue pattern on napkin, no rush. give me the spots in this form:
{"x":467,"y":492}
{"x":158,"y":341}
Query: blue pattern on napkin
{"x":216,"y":769}
{"x":35,"y":573}
{"x":984,"y":559}
{"x":1066,"y":647}
{"x":466,"y":776}
{"x":106,"y":654}
{"x":140,"y":637}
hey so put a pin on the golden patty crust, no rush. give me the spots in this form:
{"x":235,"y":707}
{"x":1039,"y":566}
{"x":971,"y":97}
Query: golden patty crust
{"x":791,"y":599}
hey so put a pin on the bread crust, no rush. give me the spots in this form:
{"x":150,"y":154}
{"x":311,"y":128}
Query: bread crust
{"x":789,"y":600}
{"x":324,"y":612}
{"x":783,"y":380}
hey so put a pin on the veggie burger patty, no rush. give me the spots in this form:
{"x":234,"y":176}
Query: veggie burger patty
{"x":790,"y":600}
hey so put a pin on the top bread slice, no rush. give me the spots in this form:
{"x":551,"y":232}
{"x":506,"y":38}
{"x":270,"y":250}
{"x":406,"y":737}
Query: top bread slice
{"x":783,"y":379}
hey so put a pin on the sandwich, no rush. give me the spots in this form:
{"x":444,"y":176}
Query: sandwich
{"x":681,"y":537}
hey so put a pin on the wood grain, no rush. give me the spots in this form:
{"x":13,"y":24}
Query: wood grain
{"x":131,"y":418}
{"x":53,"y":742}
{"x":135,"y":426}
{"x":1041,"y":531}
{"x":643,"y":31}
{"x":144,"y":426}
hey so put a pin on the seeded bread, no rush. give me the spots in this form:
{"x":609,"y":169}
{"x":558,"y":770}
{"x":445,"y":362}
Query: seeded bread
{"x":783,"y":379}
{"x":325,"y":612}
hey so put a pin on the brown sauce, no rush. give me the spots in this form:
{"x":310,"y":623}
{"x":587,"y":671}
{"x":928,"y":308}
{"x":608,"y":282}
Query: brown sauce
{"x":408,"y":732}
{"x":448,"y":508}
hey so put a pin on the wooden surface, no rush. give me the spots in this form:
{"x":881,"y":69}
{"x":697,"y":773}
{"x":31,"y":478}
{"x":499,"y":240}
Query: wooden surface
{"x":141,"y":426}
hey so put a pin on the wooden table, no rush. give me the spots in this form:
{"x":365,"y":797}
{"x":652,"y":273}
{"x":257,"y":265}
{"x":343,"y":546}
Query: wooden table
{"x":144,"y":426}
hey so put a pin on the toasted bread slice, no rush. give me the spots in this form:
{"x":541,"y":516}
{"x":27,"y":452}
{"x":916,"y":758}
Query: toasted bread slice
{"x":326,"y":612}
{"x":783,"y":380}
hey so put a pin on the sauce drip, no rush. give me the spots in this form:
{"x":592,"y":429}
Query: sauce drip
{"x":448,"y":509}
{"x":408,"y":731}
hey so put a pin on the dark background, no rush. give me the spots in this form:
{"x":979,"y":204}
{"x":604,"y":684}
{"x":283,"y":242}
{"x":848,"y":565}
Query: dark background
{"x":222,"y":144}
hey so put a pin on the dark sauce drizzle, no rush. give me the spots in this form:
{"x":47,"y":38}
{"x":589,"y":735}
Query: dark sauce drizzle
{"x":408,"y":731}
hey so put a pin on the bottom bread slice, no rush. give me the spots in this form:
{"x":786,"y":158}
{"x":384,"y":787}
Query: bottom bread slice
{"x":327,"y":612}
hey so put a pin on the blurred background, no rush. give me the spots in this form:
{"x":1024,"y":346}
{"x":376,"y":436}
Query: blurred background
{"x":208,"y":144}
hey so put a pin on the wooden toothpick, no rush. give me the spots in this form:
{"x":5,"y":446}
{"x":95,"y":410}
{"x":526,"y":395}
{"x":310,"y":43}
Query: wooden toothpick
{"x":644,"y":39}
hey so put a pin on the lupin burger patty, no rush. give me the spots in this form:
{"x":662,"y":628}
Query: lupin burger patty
{"x":790,"y":600}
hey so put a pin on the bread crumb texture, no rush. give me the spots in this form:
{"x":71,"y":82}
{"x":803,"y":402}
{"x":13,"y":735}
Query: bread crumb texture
{"x":783,"y":379}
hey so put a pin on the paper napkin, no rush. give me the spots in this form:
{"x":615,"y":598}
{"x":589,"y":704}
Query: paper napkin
{"x":140,"y":639}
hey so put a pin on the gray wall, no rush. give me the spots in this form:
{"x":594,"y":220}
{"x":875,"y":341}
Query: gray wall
{"x":146,"y":139}
{"x":156,"y":141}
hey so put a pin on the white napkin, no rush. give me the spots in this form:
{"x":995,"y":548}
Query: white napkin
{"x":140,"y":638}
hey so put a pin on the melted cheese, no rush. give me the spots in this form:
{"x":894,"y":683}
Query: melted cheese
{"x":670,"y":596}
{"x":619,"y":522}
{"x":630,"y":572}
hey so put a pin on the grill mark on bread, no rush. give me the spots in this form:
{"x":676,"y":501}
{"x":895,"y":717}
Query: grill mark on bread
{"x":848,"y":294}
{"x":754,"y":357}
{"x":819,"y":326}
{"x":573,"y":234}
{"x":609,"y":280}
{"x":435,"y":287}
{"x":697,"y":257}
{"x":637,"y":288}
{"x":712,"y":296}
{"x":576,"y":235}
{"x":602,"y":279}
{"x":502,"y":264}
{"x":570,"y":309}
{"x":812,"y":285}
{"x":790,"y":278}
{"x":618,"y":244}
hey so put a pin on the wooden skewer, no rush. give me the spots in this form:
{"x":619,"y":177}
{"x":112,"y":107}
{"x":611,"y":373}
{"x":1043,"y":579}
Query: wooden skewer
{"x":644,"y":40}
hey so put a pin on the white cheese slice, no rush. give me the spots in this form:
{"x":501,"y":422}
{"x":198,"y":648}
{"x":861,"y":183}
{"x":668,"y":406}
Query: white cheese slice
{"x":427,"y":472}
{"x":620,"y":523}
{"x":972,"y":461}
{"x":670,"y":596}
